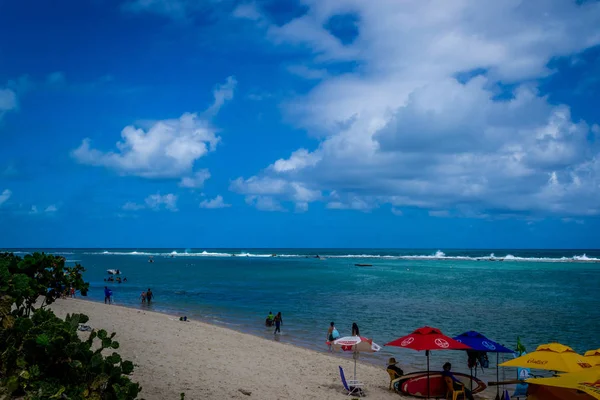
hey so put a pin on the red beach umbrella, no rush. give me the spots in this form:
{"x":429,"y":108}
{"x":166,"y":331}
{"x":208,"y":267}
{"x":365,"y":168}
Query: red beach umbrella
{"x":428,"y":338}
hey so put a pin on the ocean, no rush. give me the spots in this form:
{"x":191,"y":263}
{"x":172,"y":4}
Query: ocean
{"x":537,"y":295}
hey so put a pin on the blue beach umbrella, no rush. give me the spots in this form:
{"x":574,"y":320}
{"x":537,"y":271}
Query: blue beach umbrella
{"x":478,"y":342}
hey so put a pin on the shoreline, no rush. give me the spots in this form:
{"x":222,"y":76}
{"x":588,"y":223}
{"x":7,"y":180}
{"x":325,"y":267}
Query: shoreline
{"x":209,"y":361}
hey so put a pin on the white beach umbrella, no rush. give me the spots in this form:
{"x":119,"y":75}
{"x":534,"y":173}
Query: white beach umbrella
{"x":355,"y":344}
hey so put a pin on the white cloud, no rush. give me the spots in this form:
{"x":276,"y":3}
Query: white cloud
{"x":33,"y":210}
{"x":196,"y":181}
{"x":222,"y":93}
{"x":51,"y":209}
{"x":166,"y":149}
{"x":4,"y":196}
{"x":264,"y":203}
{"x":156,"y":201}
{"x":298,"y":160}
{"x":247,"y":11}
{"x":426,"y":120}
{"x":131,"y":206}
{"x":260,"y":192}
{"x":217,"y":202}
{"x":397,"y":212}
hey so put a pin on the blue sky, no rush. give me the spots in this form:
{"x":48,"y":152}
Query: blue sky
{"x":330,"y":123}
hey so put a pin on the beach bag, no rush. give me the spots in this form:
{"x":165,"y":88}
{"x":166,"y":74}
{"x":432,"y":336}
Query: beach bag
{"x":335,"y":334}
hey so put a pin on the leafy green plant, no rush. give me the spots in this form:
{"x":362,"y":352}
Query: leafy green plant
{"x":41,"y":355}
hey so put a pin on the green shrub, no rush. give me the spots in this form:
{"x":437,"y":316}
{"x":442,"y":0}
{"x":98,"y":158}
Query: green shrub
{"x":41,"y":355}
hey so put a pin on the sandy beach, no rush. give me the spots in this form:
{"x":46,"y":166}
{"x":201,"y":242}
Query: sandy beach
{"x":211,"y":362}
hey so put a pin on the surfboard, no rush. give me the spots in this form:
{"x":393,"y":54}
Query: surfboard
{"x":415,"y":384}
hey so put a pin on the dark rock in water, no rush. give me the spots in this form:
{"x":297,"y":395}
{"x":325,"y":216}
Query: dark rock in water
{"x":364,"y":265}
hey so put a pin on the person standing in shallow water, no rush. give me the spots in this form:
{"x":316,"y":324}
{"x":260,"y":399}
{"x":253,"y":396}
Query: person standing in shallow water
{"x":278,"y":322}
{"x":149,"y":295}
{"x":355,"y":331}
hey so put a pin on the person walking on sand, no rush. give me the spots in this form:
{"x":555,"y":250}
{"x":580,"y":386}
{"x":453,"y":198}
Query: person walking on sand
{"x":278,"y":322}
{"x":149,"y":295}
{"x":355,"y":331}
{"x":107,"y":295}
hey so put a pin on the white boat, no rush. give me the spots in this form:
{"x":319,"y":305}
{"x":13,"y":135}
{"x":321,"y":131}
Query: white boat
{"x":113,"y":272}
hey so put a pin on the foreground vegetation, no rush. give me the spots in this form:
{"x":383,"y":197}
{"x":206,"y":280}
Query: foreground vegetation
{"x":41,"y":355}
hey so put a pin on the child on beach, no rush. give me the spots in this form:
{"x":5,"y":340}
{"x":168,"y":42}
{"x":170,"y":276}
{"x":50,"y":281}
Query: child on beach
{"x":143,"y":297}
{"x":278,"y":322}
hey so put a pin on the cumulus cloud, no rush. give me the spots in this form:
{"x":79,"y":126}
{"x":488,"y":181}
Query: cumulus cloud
{"x":51,"y":209}
{"x":196,"y":181}
{"x":265,"y":203}
{"x":166,"y":148}
{"x":156,"y":201}
{"x":260,"y":192}
{"x":217,"y":202}
{"x":33,"y":210}
{"x":4,"y":196}
{"x":428,"y":120}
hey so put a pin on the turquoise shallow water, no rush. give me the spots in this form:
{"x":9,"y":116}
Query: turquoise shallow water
{"x":541,"y":296}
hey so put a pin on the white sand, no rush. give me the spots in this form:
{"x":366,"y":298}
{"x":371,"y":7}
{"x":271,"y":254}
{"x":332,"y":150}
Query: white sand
{"x":210,"y":362}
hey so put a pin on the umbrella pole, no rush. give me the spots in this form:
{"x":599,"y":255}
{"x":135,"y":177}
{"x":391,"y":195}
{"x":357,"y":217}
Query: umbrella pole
{"x":428,"y":390}
{"x":355,"y":357}
{"x":471,"y":379}
{"x":497,"y":374}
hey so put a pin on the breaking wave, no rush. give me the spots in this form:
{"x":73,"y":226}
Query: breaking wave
{"x":438,"y":255}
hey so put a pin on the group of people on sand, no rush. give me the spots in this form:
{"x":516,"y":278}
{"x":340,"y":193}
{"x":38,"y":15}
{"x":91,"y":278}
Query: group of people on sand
{"x":276,"y":320}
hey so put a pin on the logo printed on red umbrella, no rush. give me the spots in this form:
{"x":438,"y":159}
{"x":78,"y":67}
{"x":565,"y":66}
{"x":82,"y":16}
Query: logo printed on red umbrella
{"x":407,"y":341}
{"x":441,"y":343}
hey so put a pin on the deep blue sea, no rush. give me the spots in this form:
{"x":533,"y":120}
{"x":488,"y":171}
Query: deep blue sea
{"x":538,"y":295}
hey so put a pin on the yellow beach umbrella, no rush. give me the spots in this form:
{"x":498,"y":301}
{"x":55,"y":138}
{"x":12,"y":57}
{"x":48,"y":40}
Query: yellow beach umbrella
{"x":587,"y":381}
{"x":593,"y":355}
{"x":551,"y":357}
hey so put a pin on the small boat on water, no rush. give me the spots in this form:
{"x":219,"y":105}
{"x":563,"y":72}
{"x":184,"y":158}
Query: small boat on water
{"x":113,"y":272}
{"x":363,"y":265}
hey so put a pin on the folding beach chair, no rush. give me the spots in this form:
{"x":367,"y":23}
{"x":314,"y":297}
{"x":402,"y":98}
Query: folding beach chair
{"x":352,"y":387}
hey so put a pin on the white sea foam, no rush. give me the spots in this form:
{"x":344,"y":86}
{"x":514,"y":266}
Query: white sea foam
{"x":438,"y":255}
